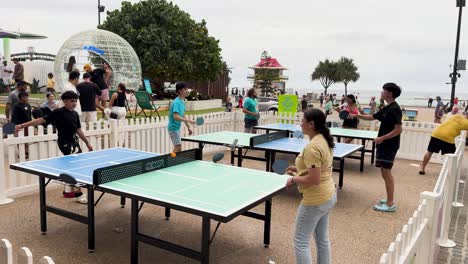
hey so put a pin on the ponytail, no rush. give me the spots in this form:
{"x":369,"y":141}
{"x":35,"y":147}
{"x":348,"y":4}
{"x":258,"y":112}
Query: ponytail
{"x":318,"y":117}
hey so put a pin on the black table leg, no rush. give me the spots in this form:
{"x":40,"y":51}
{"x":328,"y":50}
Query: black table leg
{"x":122,"y":202}
{"x":272,"y":160}
{"x":91,"y":233}
{"x":340,"y":181}
{"x":268,"y":160}
{"x":239,"y":157}
{"x":363,"y":151}
{"x":373,"y":152}
{"x":167,"y":213}
{"x":267,"y":227}
{"x":233,"y":153}
{"x":205,"y":247}
{"x":134,"y":232}
{"x":42,"y":205}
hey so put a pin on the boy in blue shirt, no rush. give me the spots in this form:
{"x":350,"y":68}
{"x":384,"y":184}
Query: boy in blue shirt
{"x":176,"y":116}
{"x":251,"y":112}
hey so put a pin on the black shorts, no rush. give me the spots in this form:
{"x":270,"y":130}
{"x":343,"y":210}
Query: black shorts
{"x":350,"y":123}
{"x":68,"y":148}
{"x":436,"y":145}
{"x":385,"y":157}
{"x":249,"y":123}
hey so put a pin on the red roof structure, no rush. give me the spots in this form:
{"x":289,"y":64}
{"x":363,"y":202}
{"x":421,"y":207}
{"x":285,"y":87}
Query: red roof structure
{"x":269,"y":63}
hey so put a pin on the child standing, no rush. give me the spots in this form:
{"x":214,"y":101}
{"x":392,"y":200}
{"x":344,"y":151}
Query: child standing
{"x":50,"y":83}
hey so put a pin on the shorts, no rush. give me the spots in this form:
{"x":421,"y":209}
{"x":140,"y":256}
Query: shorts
{"x":116,"y":112}
{"x":175,"y":137}
{"x":436,"y":145}
{"x":90,"y":116}
{"x":68,"y":148}
{"x":385,"y":158}
{"x":249,"y":125}
{"x":104,"y":96}
{"x":350,"y":123}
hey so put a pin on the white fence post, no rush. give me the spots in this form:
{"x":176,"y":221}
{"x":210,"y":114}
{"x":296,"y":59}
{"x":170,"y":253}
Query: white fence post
{"x":25,"y":256}
{"x":447,"y":202}
{"x":3,"y":175}
{"x":460,"y":143}
{"x":6,"y":252}
{"x":46,"y":260}
{"x":425,"y":252}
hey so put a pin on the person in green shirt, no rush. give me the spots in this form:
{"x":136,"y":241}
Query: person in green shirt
{"x":251,"y":111}
{"x":328,"y":106}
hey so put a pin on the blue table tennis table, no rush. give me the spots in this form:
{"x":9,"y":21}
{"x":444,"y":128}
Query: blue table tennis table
{"x":81,"y":167}
{"x":338,"y":132}
{"x":185,"y":183}
{"x":272,"y":143}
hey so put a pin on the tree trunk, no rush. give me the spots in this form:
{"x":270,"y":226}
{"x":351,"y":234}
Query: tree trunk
{"x":345,"y":89}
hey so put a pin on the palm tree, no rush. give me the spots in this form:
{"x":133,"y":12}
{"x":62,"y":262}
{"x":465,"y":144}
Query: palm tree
{"x":326,"y":73}
{"x":347,"y":72}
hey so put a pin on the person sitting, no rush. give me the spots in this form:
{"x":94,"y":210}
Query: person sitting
{"x":117,"y":102}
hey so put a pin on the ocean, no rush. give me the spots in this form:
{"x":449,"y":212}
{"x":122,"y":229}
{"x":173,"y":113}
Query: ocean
{"x":407,"y":98}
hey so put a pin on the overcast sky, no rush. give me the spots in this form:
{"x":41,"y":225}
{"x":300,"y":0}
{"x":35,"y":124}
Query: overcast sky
{"x":408,"y":42}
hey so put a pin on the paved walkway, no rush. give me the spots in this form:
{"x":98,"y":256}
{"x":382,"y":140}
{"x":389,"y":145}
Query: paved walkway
{"x":458,"y":231}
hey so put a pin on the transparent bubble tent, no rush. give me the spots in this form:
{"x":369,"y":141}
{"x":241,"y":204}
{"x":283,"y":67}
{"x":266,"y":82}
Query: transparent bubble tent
{"x":96,"y":47}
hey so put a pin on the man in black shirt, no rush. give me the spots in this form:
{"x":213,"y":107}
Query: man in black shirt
{"x":21,"y":110}
{"x":88,"y":92}
{"x":388,"y":141}
{"x":97,"y":77}
{"x":67,"y":122}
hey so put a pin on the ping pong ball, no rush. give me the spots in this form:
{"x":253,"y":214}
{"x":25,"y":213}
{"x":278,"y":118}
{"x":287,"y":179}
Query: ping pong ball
{"x":173,"y":155}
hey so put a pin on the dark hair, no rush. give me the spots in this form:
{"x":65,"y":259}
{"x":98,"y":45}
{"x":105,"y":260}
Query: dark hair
{"x":86,"y":75}
{"x":180,"y":85}
{"x":14,"y":59}
{"x":393,"y":88}
{"x":350,"y":96}
{"x":122,"y":87}
{"x":69,"y":95}
{"x":250,"y":92}
{"x":49,"y":94}
{"x":73,"y":75}
{"x":71,"y":63}
{"x":50,"y":75}
{"x":21,"y":83}
{"x":318,"y":117}
{"x":22,"y":94}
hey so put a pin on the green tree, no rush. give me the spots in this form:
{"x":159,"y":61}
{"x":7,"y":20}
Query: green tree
{"x":327,"y":73}
{"x":264,"y":78}
{"x":347,"y":72}
{"x":169,"y":43}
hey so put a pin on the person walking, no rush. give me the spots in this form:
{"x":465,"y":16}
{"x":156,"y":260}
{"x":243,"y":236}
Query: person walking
{"x":439,"y":110}
{"x":387,"y":141}
{"x":73,"y":79}
{"x":443,"y":138}
{"x":5,"y":74}
{"x":50,"y":83}
{"x":13,"y":98}
{"x":321,"y":99}
{"x":250,"y":111}
{"x":304,"y":103}
{"x":177,"y":116}
{"x":88,"y":92}
{"x":97,"y":77}
{"x":429,"y":102}
{"x":312,"y":174}
{"x":18,"y":74}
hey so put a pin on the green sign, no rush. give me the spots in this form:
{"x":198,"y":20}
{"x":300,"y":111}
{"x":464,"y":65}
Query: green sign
{"x":287,"y":103}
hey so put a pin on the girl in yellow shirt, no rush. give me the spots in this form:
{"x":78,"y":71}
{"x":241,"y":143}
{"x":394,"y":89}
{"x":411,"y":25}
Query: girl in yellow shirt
{"x":312,"y":174}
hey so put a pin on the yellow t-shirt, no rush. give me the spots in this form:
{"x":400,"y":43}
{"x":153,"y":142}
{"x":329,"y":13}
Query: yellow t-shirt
{"x":318,"y":154}
{"x":50,"y":83}
{"x":451,"y":128}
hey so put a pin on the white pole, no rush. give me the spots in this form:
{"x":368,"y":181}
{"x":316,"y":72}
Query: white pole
{"x":3,"y":175}
{"x":447,"y":203}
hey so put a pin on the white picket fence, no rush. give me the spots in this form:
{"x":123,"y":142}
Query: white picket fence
{"x":427,"y":229}
{"x":24,"y":255}
{"x":151,"y":135}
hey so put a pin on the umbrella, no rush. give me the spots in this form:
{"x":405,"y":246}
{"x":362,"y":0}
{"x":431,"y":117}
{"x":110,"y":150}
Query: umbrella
{"x":6,"y":35}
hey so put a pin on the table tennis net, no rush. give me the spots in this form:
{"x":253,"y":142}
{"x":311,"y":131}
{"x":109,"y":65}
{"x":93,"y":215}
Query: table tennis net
{"x":260,"y":139}
{"x":133,"y":168}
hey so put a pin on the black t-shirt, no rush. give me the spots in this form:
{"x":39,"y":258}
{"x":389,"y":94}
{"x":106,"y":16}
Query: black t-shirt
{"x":304,"y":104}
{"x":389,"y":116}
{"x":66,"y":121}
{"x":88,"y":92}
{"x":120,"y":100}
{"x":98,"y":78}
{"x":21,"y":113}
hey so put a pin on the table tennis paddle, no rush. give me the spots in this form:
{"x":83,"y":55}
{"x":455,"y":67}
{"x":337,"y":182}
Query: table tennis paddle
{"x":280,"y":166}
{"x":298,"y":134}
{"x":200,"y":121}
{"x":67,"y":178}
{"x":217,"y":157}
{"x":9,"y":128}
{"x":234,"y":145}
{"x":343,"y":114}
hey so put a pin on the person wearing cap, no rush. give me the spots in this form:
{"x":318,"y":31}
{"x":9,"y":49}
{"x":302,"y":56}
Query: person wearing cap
{"x":67,"y":122}
{"x":443,"y":138}
{"x":21,"y":86}
{"x":388,"y":141}
{"x":88,"y":92}
{"x":97,"y":77}
{"x":73,"y":79}
{"x":18,"y":74}
{"x":5,"y":74}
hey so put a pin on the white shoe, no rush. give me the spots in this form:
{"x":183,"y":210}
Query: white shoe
{"x":81,"y":199}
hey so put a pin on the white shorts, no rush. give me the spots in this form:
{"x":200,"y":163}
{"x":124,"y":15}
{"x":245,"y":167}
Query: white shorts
{"x":121,"y":112}
{"x":88,"y":116}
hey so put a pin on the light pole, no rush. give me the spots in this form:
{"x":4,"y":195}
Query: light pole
{"x":454,"y":75}
{"x":100,"y":10}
